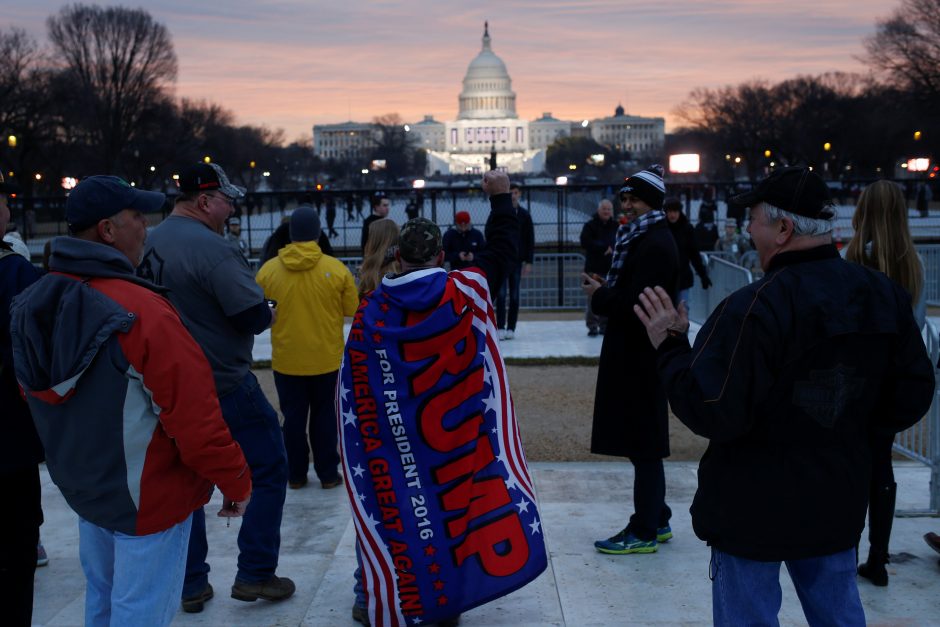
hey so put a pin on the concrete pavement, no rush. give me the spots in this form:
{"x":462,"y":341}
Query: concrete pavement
{"x":579,"y":503}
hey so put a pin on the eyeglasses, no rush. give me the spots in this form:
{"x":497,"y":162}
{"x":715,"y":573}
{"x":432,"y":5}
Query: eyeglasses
{"x":222,"y":197}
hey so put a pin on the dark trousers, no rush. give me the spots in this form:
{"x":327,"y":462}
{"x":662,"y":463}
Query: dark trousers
{"x":882,"y":472}
{"x":649,"y":498}
{"x":309,"y":407}
{"x":511,"y":284}
{"x":254,"y":425}
{"x":594,"y":321}
{"x":19,"y":535}
{"x":881,"y":497}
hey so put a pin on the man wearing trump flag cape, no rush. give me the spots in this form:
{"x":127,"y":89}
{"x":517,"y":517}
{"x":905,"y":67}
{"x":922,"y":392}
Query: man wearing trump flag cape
{"x":442,"y":501}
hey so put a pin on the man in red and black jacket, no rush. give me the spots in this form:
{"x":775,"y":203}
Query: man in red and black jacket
{"x":125,"y":405}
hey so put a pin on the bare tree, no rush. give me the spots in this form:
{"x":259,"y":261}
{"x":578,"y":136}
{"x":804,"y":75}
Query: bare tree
{"x":906,"y":48}
{"x":740,"y":117}
{"x":397,"y":147}
{"x":121,"y":60}
{"x":844,"y":124}
{"x":28,"y":111}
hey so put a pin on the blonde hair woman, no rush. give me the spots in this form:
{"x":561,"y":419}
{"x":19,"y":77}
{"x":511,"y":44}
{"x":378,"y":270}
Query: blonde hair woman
{"x":379,"y":257}
{"x":882,"y":241}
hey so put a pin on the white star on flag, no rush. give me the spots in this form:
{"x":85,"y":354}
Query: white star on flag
{"x":490,"y":402}
{"x":349,"y":418}
{"x":362,"y":497}
{"x":417,"y":620}
{"x":535,"y":526}
{"x":358,"y":470}
{"x":523,"y":506}
{"x":342,"y":391}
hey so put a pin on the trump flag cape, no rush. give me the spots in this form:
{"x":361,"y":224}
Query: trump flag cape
{"x":442,"y":500}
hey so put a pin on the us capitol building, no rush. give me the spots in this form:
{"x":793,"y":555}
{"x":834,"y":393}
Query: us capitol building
{"x":487,"y":121}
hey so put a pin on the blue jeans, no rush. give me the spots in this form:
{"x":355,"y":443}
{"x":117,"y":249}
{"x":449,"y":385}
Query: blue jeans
{"x":254,"y":425}
{"x":358,"y":590}
{"x":309,"y":407}
{"x":747,"y":592}
{"x":511,"y":282}
{"x":132,"y":580}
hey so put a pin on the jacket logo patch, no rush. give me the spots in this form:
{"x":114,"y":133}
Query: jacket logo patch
{"x":827,"y":393}
{"x":151,"y":267}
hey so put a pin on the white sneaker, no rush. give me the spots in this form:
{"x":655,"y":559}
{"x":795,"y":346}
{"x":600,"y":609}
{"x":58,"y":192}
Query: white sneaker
{"x":510,"y":334}
{"x":502,"y":334}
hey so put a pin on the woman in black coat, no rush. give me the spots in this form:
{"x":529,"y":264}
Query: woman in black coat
{"x":688,"y":249}
{"x":631,"y":418}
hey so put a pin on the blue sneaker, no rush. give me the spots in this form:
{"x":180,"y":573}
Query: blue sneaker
{"x":664,"y":534}
{"x":625,"y":543}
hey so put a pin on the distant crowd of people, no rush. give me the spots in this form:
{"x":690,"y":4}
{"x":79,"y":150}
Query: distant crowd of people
{"x":127,"y":367}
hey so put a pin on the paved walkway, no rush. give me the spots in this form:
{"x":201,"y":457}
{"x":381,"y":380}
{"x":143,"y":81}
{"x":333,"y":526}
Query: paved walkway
{"x":579,"y":502}
{"x":533,"y":339}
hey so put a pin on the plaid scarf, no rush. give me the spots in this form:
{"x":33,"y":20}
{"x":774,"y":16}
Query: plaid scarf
{"x":626,"y":234}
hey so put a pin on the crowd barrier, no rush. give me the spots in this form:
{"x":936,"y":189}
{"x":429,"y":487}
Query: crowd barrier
{"x":922,"y":441}
{"x":930,"y":253}
{"x":726,"y":277}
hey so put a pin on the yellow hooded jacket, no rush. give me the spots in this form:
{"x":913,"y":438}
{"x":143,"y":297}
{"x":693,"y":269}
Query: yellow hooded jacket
{"x":313,"y":292}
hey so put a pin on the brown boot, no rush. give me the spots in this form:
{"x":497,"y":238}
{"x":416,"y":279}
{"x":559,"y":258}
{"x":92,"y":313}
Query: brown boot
{"x":274,"y":589}
{"x":932,"y":540}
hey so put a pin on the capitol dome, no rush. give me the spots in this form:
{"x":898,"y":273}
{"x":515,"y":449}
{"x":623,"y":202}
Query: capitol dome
{"x":487,"y":89}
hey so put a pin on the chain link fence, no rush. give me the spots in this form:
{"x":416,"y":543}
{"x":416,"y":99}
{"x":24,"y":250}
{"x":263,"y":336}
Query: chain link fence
{"x":553,"y":283}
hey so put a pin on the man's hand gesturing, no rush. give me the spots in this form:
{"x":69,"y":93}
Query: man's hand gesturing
{"x":659,"y":317}
{"x":495,"y":182}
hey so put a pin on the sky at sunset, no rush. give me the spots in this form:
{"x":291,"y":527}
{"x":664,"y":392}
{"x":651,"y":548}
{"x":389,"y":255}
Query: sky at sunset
{"x":293,"y":63}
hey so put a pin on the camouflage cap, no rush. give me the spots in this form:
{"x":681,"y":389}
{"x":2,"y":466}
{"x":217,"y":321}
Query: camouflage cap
{"x":419,"y":240}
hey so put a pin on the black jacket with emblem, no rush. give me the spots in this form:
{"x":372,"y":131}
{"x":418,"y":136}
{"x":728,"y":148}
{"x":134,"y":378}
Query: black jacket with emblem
{"x":630,"y":414}
{"x":788,"y":378}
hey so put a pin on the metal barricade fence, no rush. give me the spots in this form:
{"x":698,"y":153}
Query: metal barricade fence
{"x":921,"y":442}
{"x":726,"y":278}
{"x":553,"y":283}
{"x":930,"y":253}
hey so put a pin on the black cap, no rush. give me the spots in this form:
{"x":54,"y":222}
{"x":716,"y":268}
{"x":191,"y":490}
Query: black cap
{"x":204,"y":177}
{"x":419,"y":240}
{"x":304,"y":224}
{"x":100,"y":197}
{"x":795,"y":189}
{"x":672,"y":203}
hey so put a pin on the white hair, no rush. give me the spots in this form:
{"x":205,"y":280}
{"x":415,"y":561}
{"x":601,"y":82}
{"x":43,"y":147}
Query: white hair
{"x":801,"y":224}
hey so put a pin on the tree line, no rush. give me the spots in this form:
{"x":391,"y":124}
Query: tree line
{"x":846,"y":125}
{"x":98,"y":97}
